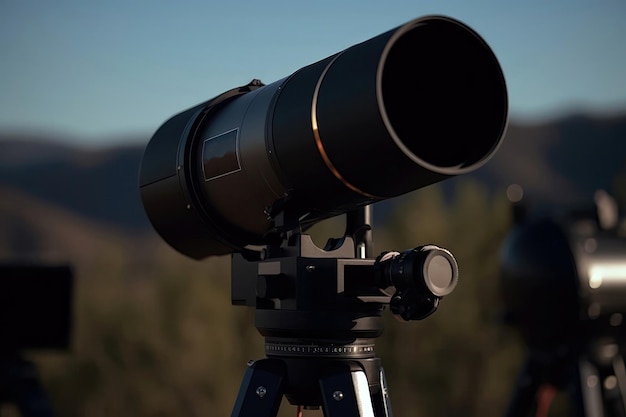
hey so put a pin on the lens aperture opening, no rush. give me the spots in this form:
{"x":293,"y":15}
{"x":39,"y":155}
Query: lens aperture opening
{"x":446,"y":105}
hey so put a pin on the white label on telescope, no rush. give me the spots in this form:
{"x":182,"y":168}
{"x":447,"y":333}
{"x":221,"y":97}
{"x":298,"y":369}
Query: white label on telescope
{"x":220,"y":155}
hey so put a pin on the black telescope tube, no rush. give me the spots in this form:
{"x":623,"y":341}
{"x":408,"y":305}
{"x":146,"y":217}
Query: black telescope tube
{"x":405,"y":109}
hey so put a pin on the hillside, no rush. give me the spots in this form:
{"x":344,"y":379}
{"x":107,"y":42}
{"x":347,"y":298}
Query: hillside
{"x":34,"y":228}
{"x":562,"y":162}
{"x":99,"y":184}
{"x":155,"y":334}
{"x":558,"y":163}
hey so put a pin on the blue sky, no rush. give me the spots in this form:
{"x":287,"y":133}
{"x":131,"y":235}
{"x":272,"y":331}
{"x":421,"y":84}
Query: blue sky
{"x":96,"y":70}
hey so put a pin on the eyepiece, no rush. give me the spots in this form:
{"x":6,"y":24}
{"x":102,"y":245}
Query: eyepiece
{"x":429,"y":269}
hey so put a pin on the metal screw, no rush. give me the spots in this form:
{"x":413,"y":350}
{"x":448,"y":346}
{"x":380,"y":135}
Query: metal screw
{"x":310,"y":268}
{"x":592,"y":381}
{"x":261,"y":391}
{"x":338,"y":395}
{"x":610,"y":382}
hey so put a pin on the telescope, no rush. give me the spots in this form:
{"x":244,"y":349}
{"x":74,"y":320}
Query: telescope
{"x":564,"y":287}
{"x":405,"y":109}
{"x":249,"y":171}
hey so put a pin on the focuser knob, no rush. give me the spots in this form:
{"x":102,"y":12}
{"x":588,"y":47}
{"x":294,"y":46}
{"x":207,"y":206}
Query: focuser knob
{"x":418,"y":279}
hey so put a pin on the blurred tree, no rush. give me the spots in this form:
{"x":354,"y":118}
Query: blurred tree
{"x":459,"y":361}
{"x":155,"y":334}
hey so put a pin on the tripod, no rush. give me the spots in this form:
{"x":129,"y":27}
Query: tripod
{"x":20,"y":385}
{"x":320,"y":311}
{"x":591,"y":372}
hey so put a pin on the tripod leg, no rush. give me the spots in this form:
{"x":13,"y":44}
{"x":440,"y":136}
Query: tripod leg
{"x":261,"y":390}
{"x":345,"y":392}
{"x":620,"y":374}
{"x":20,"y":384}
{"x":592,"y":402}
{"x":381,"y":400}
{"x":523,"y":402}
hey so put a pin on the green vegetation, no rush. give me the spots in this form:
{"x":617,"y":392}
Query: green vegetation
{"x":155,"y":334}
{"x":461,"y":361}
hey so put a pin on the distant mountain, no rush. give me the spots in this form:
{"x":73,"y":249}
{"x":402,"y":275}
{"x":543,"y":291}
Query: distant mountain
{"x":101,"y":184}
{"x":558,"y":163}
{"x":562,"y":162}
{"x":34,"y":229}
